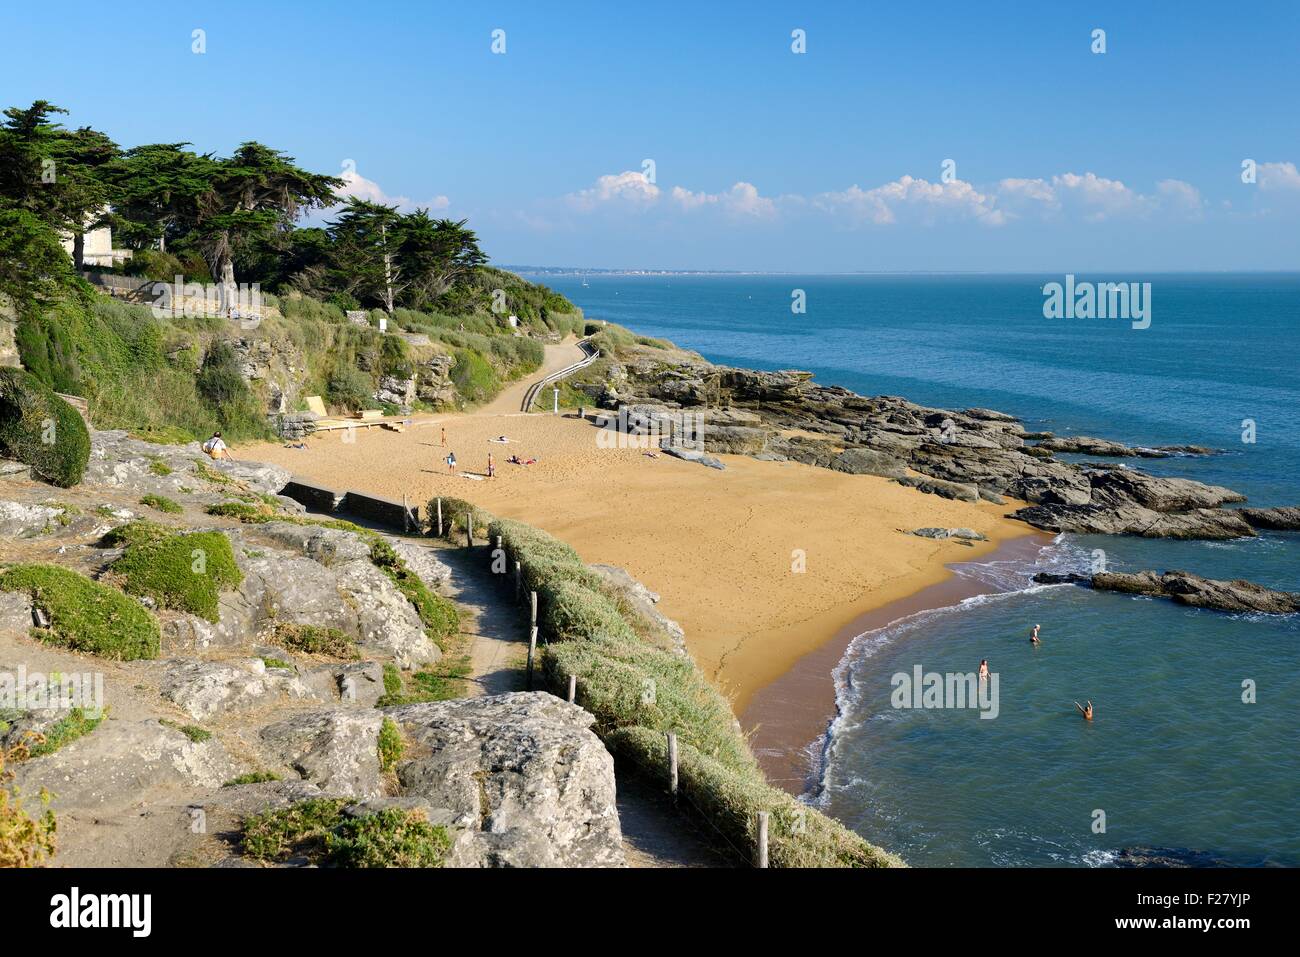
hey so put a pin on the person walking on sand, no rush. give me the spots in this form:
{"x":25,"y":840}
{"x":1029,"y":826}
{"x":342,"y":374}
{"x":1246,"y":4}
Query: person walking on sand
{"x":451,"y":462}
{"x":444,"y":436}
{"x":984,"y":669}
{"x":1033,"y":636}
{"x":1086,"y":712}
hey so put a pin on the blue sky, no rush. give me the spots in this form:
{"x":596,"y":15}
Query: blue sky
{"x":829,"y":160}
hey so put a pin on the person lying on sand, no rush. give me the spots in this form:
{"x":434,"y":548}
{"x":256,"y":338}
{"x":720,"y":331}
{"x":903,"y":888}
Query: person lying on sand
{"x":1086,"y":712}
{"x":501,"y":439}
{"x":1033,"y":636}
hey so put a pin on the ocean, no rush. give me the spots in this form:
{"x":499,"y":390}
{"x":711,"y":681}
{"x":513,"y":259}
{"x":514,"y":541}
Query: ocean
{"x":1193,"y":749}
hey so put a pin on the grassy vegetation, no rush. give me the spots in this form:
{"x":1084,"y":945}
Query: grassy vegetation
{"x":75,"y":724}
{"x":184,"y":572}
{"x":138,"y":532}
{"x":391,"y":745}
{"x":276,"y":663}
{"x":438,"y":614}
{"x":316,"y":640}
{"x":162,"y":503}
{"x":319,"y":830}
{"x":638,"y":691}
{"x":85,"y":615}
{"x":41,"y":430}
{"x":192,"y":731}
{"x":252,"y":777}
{"x":25,"y":841}
{"x":159,"y":467}
{"x":443,"y":681}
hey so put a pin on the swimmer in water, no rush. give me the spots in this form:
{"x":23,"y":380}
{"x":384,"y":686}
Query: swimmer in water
{"x":1033,"y":636}
{"x":984,"y":669}
{"x":1086,"y":712}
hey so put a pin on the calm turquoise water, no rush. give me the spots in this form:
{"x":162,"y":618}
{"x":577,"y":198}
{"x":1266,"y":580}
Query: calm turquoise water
{"x":1174,"y":758}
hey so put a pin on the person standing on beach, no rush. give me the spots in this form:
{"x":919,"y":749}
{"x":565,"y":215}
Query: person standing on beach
{"x":1086,"y":712}
{"x":492,"y":471}
{"x":451,"y":462}
{"x":444,"y":436}
{"x":1033,"y":636}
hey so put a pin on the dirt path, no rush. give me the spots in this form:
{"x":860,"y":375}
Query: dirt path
{"x":512,"y":397}
{"x":498,"y":649}
{"x":654,"y":834}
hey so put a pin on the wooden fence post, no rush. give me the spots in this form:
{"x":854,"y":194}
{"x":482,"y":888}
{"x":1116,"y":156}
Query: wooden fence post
{"x":532,"y":617}
{"x":672,"y":764}
{"x":440,"y":517}
{"x":532,"y":652}
{"x":573,"y":689}
{"x":519,"y":580}
{"x":469,"y":529}
{"x":762,"y":840}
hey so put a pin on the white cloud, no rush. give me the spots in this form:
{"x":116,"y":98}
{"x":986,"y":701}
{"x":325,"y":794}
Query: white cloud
{"x":1101,"y":198}
{"x":1279,"y":176}
{"x":742,"y":199}
{"x":629,"y":187}
{"x":356,"y":185}
{"x":1181,"y":196}
{"x":911,"y":198}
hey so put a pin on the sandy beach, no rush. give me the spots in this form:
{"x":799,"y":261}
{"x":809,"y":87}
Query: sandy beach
{"x":720,"y":547}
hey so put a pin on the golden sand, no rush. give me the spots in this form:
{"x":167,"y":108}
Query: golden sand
{"x":722,"y":548}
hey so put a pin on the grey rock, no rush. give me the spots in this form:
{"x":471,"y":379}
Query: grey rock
{"x":337,"y":750}
{"x":1285,"y":518}
{"x":693,"y":455}
{"x":18,"y":520}
{"x":203,"y":689}
{"x":522,"y":774}
{"x":111,"y":767}
{"x":952,"y":490}
{"x":1186,"y":588}
{"x":868,"y":462}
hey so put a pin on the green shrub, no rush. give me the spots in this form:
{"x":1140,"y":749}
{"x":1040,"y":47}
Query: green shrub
{"x":319,"y":830}
{"x":162,"y":503}
{"x":438,"y":614}
{"x":25,"y":841}
{"x":245,"y":512}
{"x":192,"y":731}
{"x":85,"y":615}
{"x":391,"y":745}
{"x":41,"y":430}
{"x":351,"y":388}
{"x":252,"y":777}
{"x":184,"y":572}
{"x":136,"y":533}
{"x":316,"y":640}
{"x":473,"y":376}
{"x":75,"y":724}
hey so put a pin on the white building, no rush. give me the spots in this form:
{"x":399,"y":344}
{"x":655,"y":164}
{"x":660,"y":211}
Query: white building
{"x":98,"y":249}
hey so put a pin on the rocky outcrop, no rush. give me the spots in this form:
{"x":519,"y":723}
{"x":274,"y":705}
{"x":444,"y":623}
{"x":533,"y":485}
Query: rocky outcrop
{"x":1187,"y":589}
{"x":524,"y":778}
{"x":970,"y":455}
{"x":119,"y":461}
{"x":336,"y":750}
{"x":1283,"y":519}
{"x":963,"y":534}
{"x":1087,"y":445}
{"x":330,"y":582}
{"x":205,"y":689}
